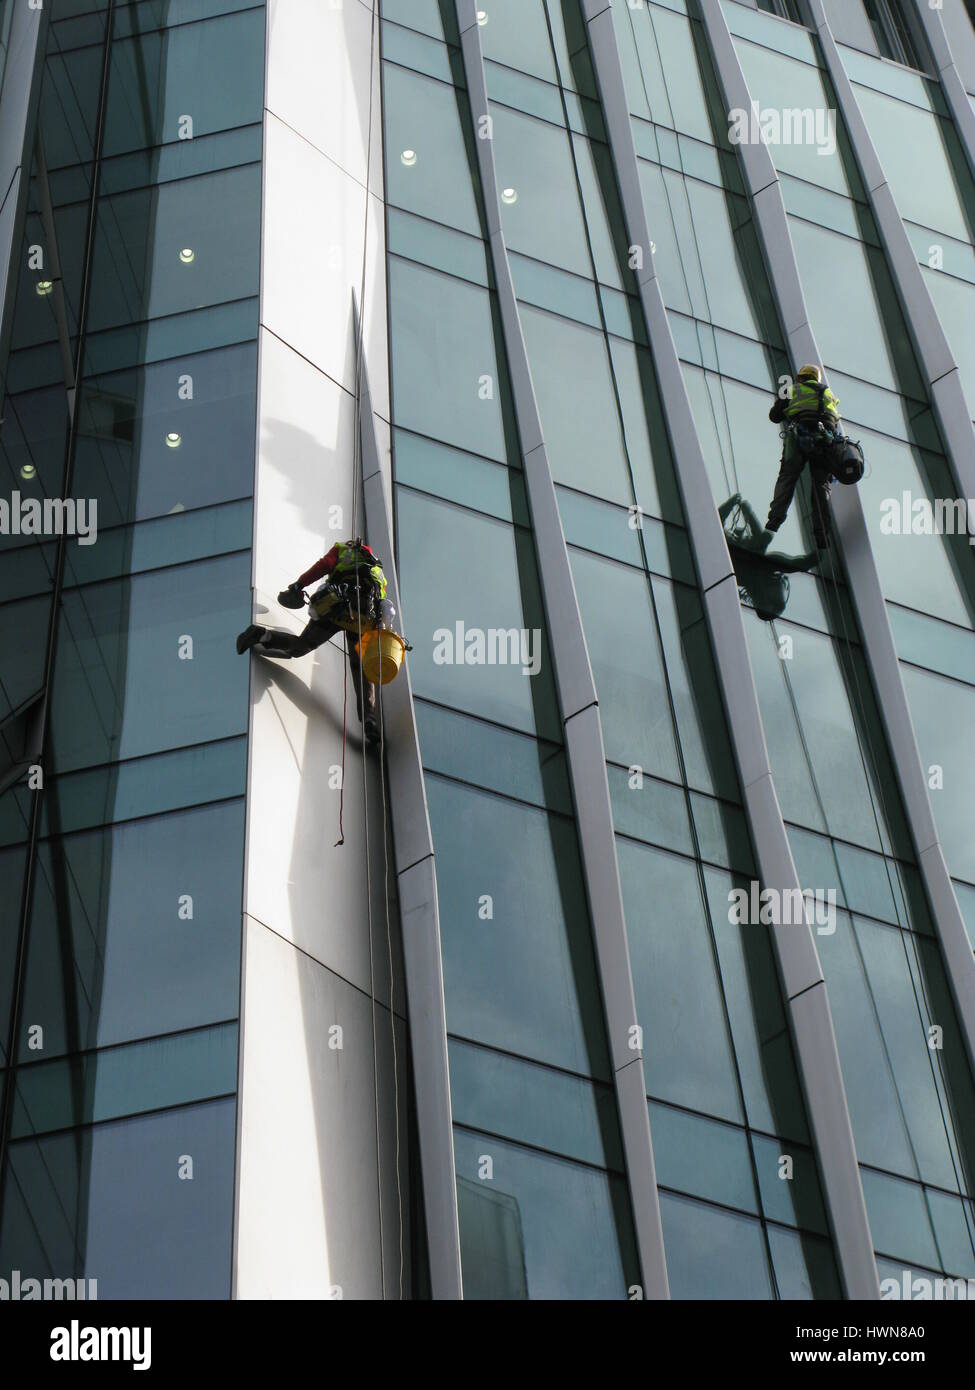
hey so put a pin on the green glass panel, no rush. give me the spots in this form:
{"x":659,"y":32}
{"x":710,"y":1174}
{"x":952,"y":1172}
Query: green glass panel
{"x":143,"y":786}
{"x":143,"y":450}
{"x":13,"y":861}
{"x":645,"y":808}
{"x":458,"y":477}
{"x":117,"y":1081}
{"x":965,"y":892}
{"x":422,"y":54}
{"x":541,"y":213}
{"x":442,"y":248}
{"x":198,"y":331}
{"x":523,"y":979}
{"x":581,"y":426}
{"x":713,"y":1254}
{"x":428,"y":170}
{"x":954,"y":1229}
{"x":816,"y":743}
{"x":955,"y":302}
{"x":943,"y":712}
{"x":423,"y":15}
{"x":750,"y":981}
{"x":630,"y":682}
{"x":925,"y":180}
{"x":651,"y":462}
{"x":542,"y":1227}
{"x":702,"y":1158}
{"x":546,"y":287}
{"x":108,"y":946}
{"x":477,"y":672}
{"x":496,"y":759}
{"x":852,"y":286}
{"x":138,"y":272}
{"x":444,"y":368}
{"x":915,"y":568}
{"x":779,"y":83}
{"x":671,"y":76}
{"x":516,"y":33}
{"x":544,"y":1108}
{"x":214,"y":69}
{"x":899,"y":1221}
{"x":23,"y":640}
{"x":108,"y":1204}
{"x":796,"y":1200}
{"x":121,"y":687}
{"x":686,"y":1049}
{"x":804,"y":1265}
{"x":886,"y":989}
{"x":175,"y":540}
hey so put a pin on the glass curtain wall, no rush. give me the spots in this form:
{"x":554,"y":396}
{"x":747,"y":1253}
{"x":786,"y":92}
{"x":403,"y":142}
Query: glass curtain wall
{"x":141,"y":311}
{"x":931,"y":606}
{"x":543,"y":1201}
{"x":911,"y":1099}
{"x":724,"y":1097}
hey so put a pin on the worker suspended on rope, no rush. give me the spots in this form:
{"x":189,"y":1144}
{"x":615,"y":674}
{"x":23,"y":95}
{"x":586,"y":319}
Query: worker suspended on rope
{"x":353,"y":598}
{"x":762,"y":574}
{"x":811,"y":418}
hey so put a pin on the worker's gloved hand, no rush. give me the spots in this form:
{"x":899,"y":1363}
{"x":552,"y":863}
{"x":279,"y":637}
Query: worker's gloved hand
{"x":292,"y":596}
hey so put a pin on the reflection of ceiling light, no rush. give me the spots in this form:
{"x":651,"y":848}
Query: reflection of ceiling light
{"x":653,"y":248}
{"x":509,"y":195}
{"x":408,"y":156}
{"x":482,"y":17}
{"x":187,"y":255}
{"x":174,"y":440}
{"x":28,"y":471}
{"x":45,"y":287}
{"x":174,"y":510}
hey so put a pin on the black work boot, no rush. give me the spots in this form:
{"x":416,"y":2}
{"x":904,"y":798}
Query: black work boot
{"x":248,"y":637}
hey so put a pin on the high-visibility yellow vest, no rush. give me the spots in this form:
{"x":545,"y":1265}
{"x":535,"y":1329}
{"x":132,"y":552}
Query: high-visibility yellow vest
{"x":347,"y":564}
{"x":811,"y":398}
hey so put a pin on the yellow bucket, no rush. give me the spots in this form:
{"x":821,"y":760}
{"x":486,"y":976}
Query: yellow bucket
{"x":381,"y":654}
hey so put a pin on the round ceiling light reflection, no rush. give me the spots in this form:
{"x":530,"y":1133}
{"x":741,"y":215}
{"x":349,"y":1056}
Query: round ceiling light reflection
{"x":187,"y":255}
{"x":174,"y":440}
{"x":482,"y":17}
{"x":509,"y":195}
{"x":28,"y":471}
{"x":408,"y":157}
{"x":44,"y":287}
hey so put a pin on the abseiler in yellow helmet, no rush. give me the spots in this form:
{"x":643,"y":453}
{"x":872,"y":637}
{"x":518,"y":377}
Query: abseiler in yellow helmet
{"x":806,"y":372}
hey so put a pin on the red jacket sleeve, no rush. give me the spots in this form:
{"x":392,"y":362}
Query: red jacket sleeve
{"x":320,"y":568}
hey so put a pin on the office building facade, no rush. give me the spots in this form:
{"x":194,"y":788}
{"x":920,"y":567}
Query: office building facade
{"x":637,"y":963}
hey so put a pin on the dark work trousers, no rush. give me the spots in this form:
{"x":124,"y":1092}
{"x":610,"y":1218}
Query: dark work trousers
{"x":790,"y":471}
{"x":279,"y":642}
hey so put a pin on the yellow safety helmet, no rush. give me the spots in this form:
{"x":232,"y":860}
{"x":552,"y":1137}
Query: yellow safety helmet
{"x":805,"y":372}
